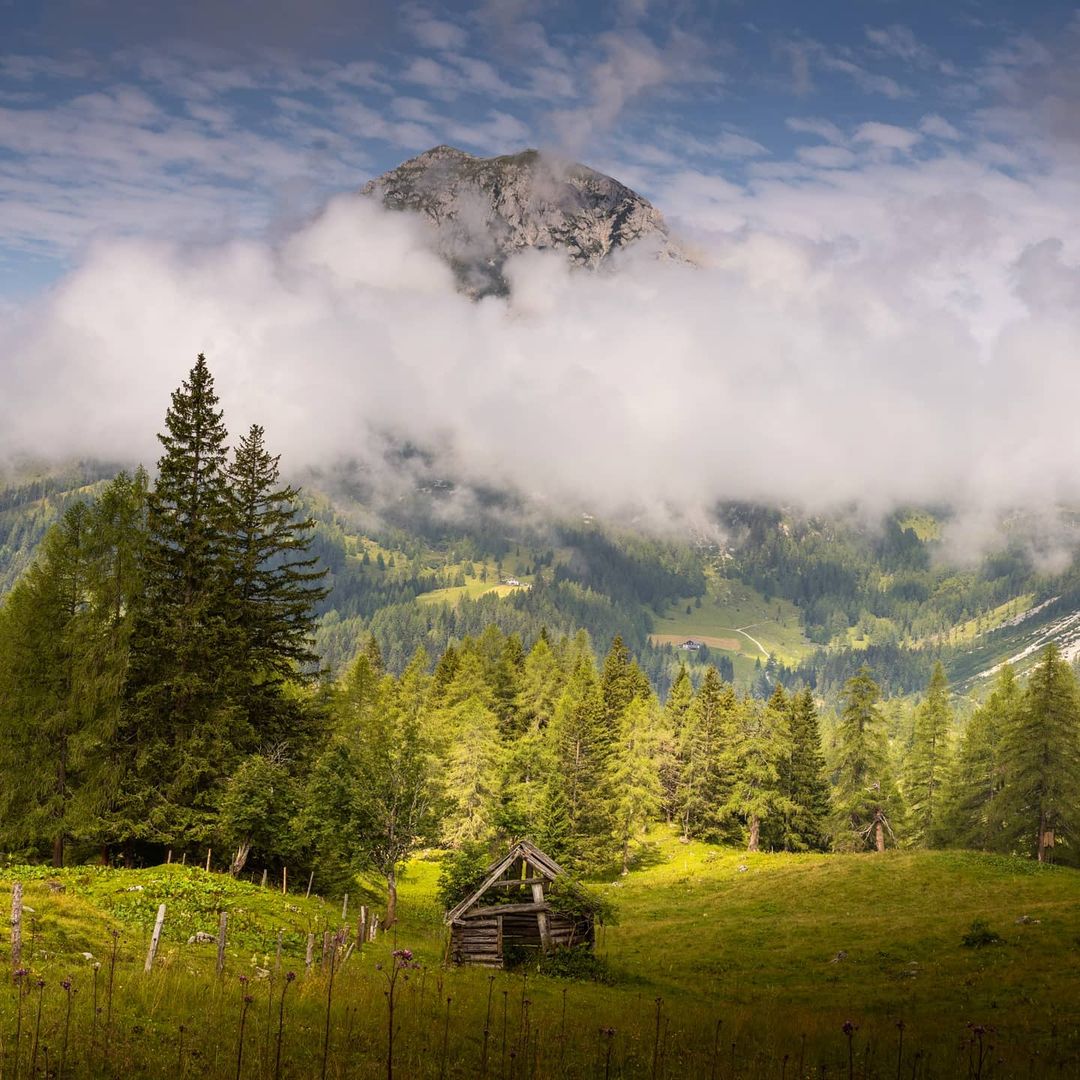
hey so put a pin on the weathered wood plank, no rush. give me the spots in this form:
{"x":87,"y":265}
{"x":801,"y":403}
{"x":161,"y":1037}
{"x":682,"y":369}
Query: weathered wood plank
{"x":505,"y":909}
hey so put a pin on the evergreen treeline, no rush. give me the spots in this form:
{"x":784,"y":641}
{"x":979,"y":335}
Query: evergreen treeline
{"x":159,"y":689}
{"x":159,"y":639}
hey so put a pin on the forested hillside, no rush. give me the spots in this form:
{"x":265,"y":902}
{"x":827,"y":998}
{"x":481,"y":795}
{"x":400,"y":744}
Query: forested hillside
{"x":195,"y":658}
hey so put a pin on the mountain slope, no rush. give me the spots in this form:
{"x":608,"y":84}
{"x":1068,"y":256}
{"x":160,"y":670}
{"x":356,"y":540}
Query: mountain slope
{"x":487,"y":209}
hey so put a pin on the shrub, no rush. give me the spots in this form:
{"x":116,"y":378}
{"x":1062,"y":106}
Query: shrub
{"x":979,"y":935}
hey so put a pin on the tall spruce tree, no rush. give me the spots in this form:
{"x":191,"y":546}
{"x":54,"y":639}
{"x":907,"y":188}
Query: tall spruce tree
{"x":973,"y":816}
{"x":754,"y":758}
{"x":865,"y":792}
{"x":705,"y":785}
{"x":928,"y":761}
{"x":277,"y":583}
{"x":805,"y":827}
{"x":183,"y":731}
{"x":1040,"y":802}
{"x":676,"y":707}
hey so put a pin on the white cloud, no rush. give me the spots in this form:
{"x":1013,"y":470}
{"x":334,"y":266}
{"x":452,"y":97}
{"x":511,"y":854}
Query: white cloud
{"x":938,"y":127}
{"x":886,"y":136}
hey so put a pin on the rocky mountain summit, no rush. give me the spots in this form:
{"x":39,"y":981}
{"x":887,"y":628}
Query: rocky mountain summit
{"x":486,"y":209}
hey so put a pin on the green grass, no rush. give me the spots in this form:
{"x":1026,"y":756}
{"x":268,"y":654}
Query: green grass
{"x":730,"y":606}
{"x":705,"y":934}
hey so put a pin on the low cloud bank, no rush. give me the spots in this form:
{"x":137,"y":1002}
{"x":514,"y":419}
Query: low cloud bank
{"x":927,"y":364}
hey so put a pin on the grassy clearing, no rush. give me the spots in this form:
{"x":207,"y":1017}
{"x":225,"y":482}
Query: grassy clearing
{"x":780,"y":950}
{"x":730,"y":606}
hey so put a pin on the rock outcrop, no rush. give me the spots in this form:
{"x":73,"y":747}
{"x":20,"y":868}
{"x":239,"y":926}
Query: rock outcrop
{"x":484,"y":210}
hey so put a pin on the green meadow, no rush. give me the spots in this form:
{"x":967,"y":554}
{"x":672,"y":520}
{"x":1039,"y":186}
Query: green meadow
{"x":721,"y":964}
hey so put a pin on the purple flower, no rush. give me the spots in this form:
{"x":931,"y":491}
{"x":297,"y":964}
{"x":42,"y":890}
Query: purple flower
{"x":66,"y":984}
{"x":290,"y":976}
{"x":849,"y":1028}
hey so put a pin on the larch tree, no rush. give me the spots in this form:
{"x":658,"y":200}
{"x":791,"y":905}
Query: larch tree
{"x":579,"y":758}
{"x":371,"y":797}
{"x":635,"y":774}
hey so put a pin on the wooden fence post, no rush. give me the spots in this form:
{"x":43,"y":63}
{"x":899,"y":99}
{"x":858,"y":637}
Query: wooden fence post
{"x":361,"y":925}
{"x":309,"y":957}
{"x":264,"y":878}
{"x":208,"y":860}
{"x":168,"y":858}
{"x":284,"y":880}
{"x":16,"y":925}
{"x":345,"y":907}
{"x":222,"y":923}
{"x":310,"y":880}
{"x":155,"y":938}
{"x":325,"y":949}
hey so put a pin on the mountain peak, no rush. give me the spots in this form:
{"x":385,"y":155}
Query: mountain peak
{"x":484,"y":210}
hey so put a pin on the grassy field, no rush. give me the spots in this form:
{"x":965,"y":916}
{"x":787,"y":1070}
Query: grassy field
{"x":778,"y":950}
{"x":734,"y":613}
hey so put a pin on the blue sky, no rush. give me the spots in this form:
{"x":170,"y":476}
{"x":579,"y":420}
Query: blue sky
{"x":190,"y":122}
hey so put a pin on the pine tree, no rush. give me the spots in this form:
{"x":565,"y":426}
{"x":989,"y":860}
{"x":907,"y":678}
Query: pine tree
{"x":182,"y":730}
{"x":974,"y":813}
{"x":680,"y":698}
{"x":756,"y":751}
{"x":928,"y":760}
{"x":705,"y":790}
{"x":621,"y":682}
{"x":1040,"y":801}
{"x":806,"y":826}
{"x":276,"y":581}
{"x":865,"y":789}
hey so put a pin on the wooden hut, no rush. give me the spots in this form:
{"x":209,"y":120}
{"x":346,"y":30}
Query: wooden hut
{"x":512,"y":911}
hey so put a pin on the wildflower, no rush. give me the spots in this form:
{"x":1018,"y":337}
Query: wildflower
{"x":248,"y":999}
{"x":290,"y":976}
{"x":850,"y":1028}
{"x":66,"y":984}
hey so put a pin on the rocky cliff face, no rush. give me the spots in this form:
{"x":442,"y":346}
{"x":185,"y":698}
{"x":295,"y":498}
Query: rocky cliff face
{"x":486,"y":209}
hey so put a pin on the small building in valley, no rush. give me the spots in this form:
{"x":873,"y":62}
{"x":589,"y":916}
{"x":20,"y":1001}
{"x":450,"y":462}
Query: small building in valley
{"x":690,"y":645}
{"x":519,"y":907}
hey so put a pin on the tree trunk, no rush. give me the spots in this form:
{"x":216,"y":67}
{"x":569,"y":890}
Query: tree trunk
{"x":391,"y":899}
{"x":1041,"y":843}
{"x":58,"y":850}
{"x":240,"y":858}
{"x":754,"y":843}
{"x":879,"y":831}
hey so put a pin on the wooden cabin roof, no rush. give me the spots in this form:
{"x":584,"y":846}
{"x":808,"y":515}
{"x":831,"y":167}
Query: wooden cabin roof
{"x":546,"y":866}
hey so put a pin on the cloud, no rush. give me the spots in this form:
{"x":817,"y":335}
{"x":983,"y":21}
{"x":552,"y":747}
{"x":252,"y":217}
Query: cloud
{"x":886,"y":136}
{"x":902,"y":333}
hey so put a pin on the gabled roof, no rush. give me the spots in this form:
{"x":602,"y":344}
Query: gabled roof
{"x":547,"y":866}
